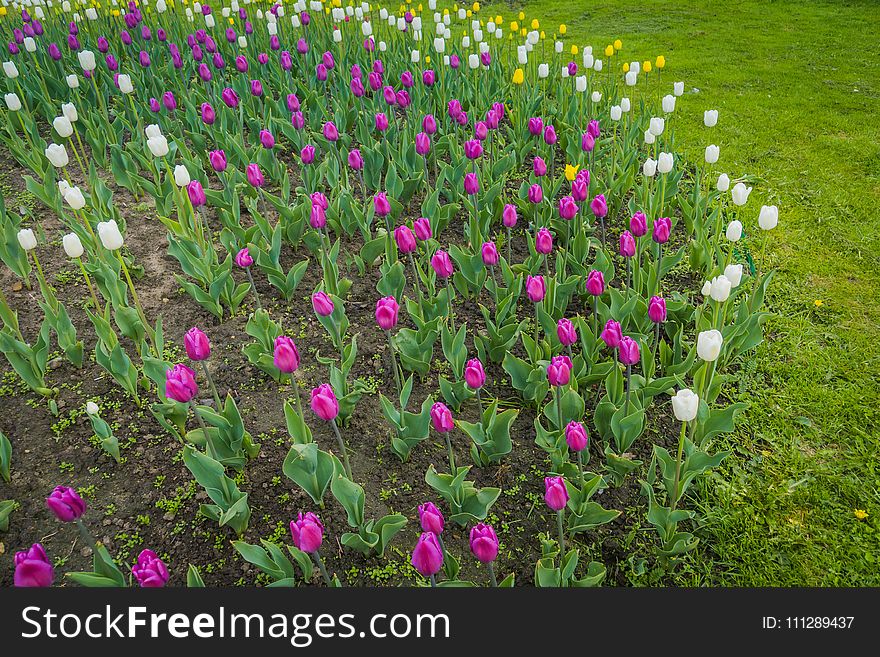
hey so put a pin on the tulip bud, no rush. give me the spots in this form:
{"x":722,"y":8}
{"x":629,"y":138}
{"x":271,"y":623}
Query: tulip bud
{"x":66,"y":504}
{"x":474,"y":374}
{"x":285,"y":355}
{"x":57,"y":155}
{"x":555,"y":493}
{"x":243,"y":258}
{"x":430,"y":518}
{"x":181,"y":176}
{"x":710,"y":118}
{"x":109,"y":234}
{"x":720,"y":288}
{"x":566,"y":332}
{"x":668,"y":104}
{"x":544,"y":241}
{"x":595,"y":283}
{"x":712,"y":154}
{"x":740,"y":194}
{"x":678,"y":88}
{"x":422,"y":227}
{"x":627,"y":244}
{"x":709,"y":345}
{"x":33,"y":568}
{"x":72,"y":245}
{"x":484,"y":543}
{"x":768,"y":218}
{"x":26,"y":239}
{"x":536,"y":288}
{"x":576,"y":436}
{"x":559,"y":371}
{"x":599,"y":206}
{"x":657,"y":309}
{"x":441,"y":263}
{"x":197,"y":345}
{"x":664,"y":162}
{"x":324,"y":403}
{"x":307,"y":532}
{"x":685,"y":405}
{"x":662,"y":229}
{"x":387,"y":310}
{"x":427,"y":557}
{"x":628,"y":351}
{"x":322,"y":304}
{"x":180,"y":383}
{"x":92,"y":408}
{"x":734,"y":273}
{"x":611,"y":335}
{"x":150,"y":571}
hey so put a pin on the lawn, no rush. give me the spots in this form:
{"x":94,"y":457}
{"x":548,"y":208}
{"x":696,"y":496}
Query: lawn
{"x":796,"y":86}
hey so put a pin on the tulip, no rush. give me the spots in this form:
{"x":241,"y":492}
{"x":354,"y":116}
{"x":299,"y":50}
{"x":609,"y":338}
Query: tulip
{"x":322,"y":304}
{"x":286,"y":355}
{"x":661,"y":230}
{"x":734,"y":231}
{"x":72,"y":245}
{"x":197,"y":345}
{"x":387,"y":310}
{"x":180,"y":384}
{"x":549,"y":135}
{"x":709,"y":345}
{"x":324,"y":403}
{"x":57,"y":155}
{"x":405,"y":239}
{"x":599,"y":206}
{"x":381,"y":204}
{"x":255,"y":175}
{"x":307,"y":532}
{"x":427,"y":556}
{"x":208,"y":114}
{"x":559,"y":371}
{"x":422,"y":227}
{"x":555,"y":493}
{"x":230,"y":98}
{"x":109,"y":234}
{"x":710,"y":118}
{"x":489,"y":253}
{"x":66,"y":504}
{"x":26,"y":239}
{"x":474,"y":374}
{"x":611,"y":334}
{"x":664,"y":162}
{"x":33,"y":568}
{"x":473,"y":149}
{"x":544,"y":241}
{"x":627,"y":245}
{"x":576,"y":436}
{"x":429,"y":124}
{"x":330,"y":131}
{"x":768,"y":218}
{"x":685,"y":405}
{"x":484,"y":544}
{"x":536,"y":288}
{"x":74,"y":198}
{"x":508,"y":216}
{"x":657,"y":309}
{"x":723,"y":183}
{"x":734,"y":273}
{"x":566,"y":332}
{"x":628,"y":351}
{"x":355,"y":159}
{"x":740,"y":194}
{"x":13,"y":102}
{"x":441,"y":418}
{"x":649,"y":168}
{"x":267,"y":141}
{"x":712,"y":154}
{"x":441,"y":263}
{"x":181,"y":176}
{"x":595,"y":283}
{"x":668,"y":104}
{"x":539,"y":167}
{"x":638,"y":225}
{"x":217,"y":160}
{"x":423,"y":144}
{"x":536,"y":194}
{"x":150,"y":571}
{"x":158,"y":145}
{"x":430,"y":518}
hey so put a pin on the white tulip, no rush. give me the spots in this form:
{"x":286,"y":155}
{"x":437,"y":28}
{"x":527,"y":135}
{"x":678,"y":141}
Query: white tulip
{"x":649,"y":168}
{"x":337,"y":36}
{"x":656,"y":126}
{"x":87,"y":60}
{"x":499,"y":33}
{"x":110,"y":236}
{"x":768,"y":217}
{"x":625,"y":105}
{"x":57,"y":155}
{"x":181,"y":176}
{"x":383,"y":46}
{"x":678,"y":88}
{"x":635,"y":67}
{"x":709,"y":345}
{"x":383,"y":14}
{"x":63,"y":186}
{"x":272,"y":28}
{"x":734,"y":230}
{"x":72,"y":81}
{"x":710,"y":118}
{"x":580,"y":83}
{"x":588,"y":60}
{"x":27,"y":239}
{"x":440,"y":44}
{"x":474,"y":60}
{"x":712,"y":154}
{"x":69,"y":110}
{"x":723,"y":183}
{"x":152,"y":130}
{"x":564,"y":72}
{"x":75,"y":198}
{"x":707,"y":287}
{"x":649,"y":137}
{"x":668,"y":104}
{"x":158,"y":146}
{"x":734,"y":274}
{"x":13,"y":102}
{"x":414,"y":57}
{"x":598,"y":65}
{"x":242,"y":41}
{"x":543,"y":71}
{"x":92,"y":408}
{"x":596,"y":97}
{"x":616,"y":112}
{"x":664,"y":162}
{"x":124,"y":82}
{"x":685,"y":404}
{"x":62,"y":126}
{"x":10,"y":69}
{"x":367,"y":29}
{"x":522,"y":55}
{"x":210,"y":21}
{"x":631,"y":78}
{"x":29,"y":44}
{"x":92,"y":14}
{"x":72,"y":246}
{"x":558,"y":45}
{"x":720,"y":288}
{"x":740,"y":194}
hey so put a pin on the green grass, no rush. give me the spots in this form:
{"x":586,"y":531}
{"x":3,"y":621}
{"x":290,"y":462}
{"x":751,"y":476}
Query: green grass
{"x":797,"y":86}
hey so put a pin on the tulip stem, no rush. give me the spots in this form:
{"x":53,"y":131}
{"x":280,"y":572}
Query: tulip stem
{"x":345,"y":462}
{"x":211,"y":383}
{"x":198,"y":417}
{"x":559,"y":407}
{"x":394,"y":364}
{"x":629,"y":368}
{"x":451,"y":455}
{"x":137,"y":303}
{"x":91,"y":288}
{"x":449,"y":301}
{"x":320,"y":562}
{"x":296,"y":394}
{"x":561,"y":529}
{"x":85,"y":533}
{"x":247,"y":270}
{"x":596,"y":317}
{"x":433,"y":582}
{"x":677,"y":479}
{"x":508,"y":245}
{"x":580,"y":459}
{"x":492,"y":575}
{"x":412,"y":263}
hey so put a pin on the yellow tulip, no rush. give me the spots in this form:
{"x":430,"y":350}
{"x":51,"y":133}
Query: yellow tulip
{"x":523,"y":32}
{"x":455,"y":7}
{"x":427,"y":59}
{"x":231,"y":21}
{"x":571,"y":172}
{"x":446,"y":11}
{"x":661,"y":61}
{"x":420,"y":7}
{"x":469,"y":13}
{"x":647,"y":66}
{"x":625,"y":67}
{"x":535,"y":24}
{"x":518,"y":76}
{"x":522,"y":16}
{"x":499,"y":20}
{"x":618,"y":44}
{"x":514,"y":27}
{"x":115,"y":12}
{"x":2,"y":11}
{"x":542,"y":35}
{"x":476,"y":6}
{"x":563,"y":29}
{"x":609,"y":50}
{"x":574,"y":50}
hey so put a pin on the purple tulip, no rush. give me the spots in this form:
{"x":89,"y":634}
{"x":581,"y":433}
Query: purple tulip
{"x":568,"y":209}
{"x":489,"y":253}
{"x":579,"y":190}
{"x":588,"y":142}
{"x":381,"y":205}
{"x":66,"y":504}
{"x":54,"y":51}
{"x":406,"y":79}
{"x":205,"y":73}
{"x":576,"y":436}
{"x":217,"y":160}
{"x":484,"y":543}
{"x":322,"y":304}
{"x":536,"y":288}
{"x":595,"y":283}
{"x":229,"y":97}
{"x":485,"y":58}
{"x":628,"y":351}
{"x":374,"y":80}
{"x":381,"y":122}
{"x":330,"y":131}
{"x":321,"y":73}
{"x":441,"y":418}
{"x":155,"y":107}
{"x":566,"y":332}
{"x":293,"y":104}
{"x":422,"y":228}
{"x":208,"y":114}
{"x":243,"y":258}
{"x":508,"y":216}
{"x":572,"y":69}
{"x":657,"y":309}
{"x":150,"y":571}
{"x":611,"y":335}
{"x":430,"y":518}
{"x":355,"y":159}
{"x":255,"y":175}
{"x":286,"y":60}
{"x":357,"y":87}
{"x":196,"y":194}
{"x":662,"y":228}
{"x":307,"y":532}
{"x":599,"y":206}
{"x":197,"y":345}
{"x":559,"y":371}
{"x":536,"y":194}
{"x":427,"y":557}
{"x":593,"y":129}
{"x":285,"y":355}
{"x":144,"y":59}
{"x":429,"y":77}
{"x":169,"y":101}
{"x":324,"y":403}
{"x":405,"y":239}
{"x":266,"y":139}
{"x":33,"y":568}
{"x":455,"y":62}
{"x":539,"y":167}
{"x":302,"y":47}
{"x":627,"y":244}
{"x":544,"y":241}
{"x":387,"y":310}
{"x":429,"y":124}
{"x":474,"y":374}
{"x":638,"y":225}
{"x":180,"y":383}
{"x":549,"y":135}
{"x":256,"y":88}
{"x":471,"y":183}
{"x":403,"y":99}
{"x":297,"y":120}
{"x":555,"y":493}
{"x":423,"y":144}
{"x":441,"y":263}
